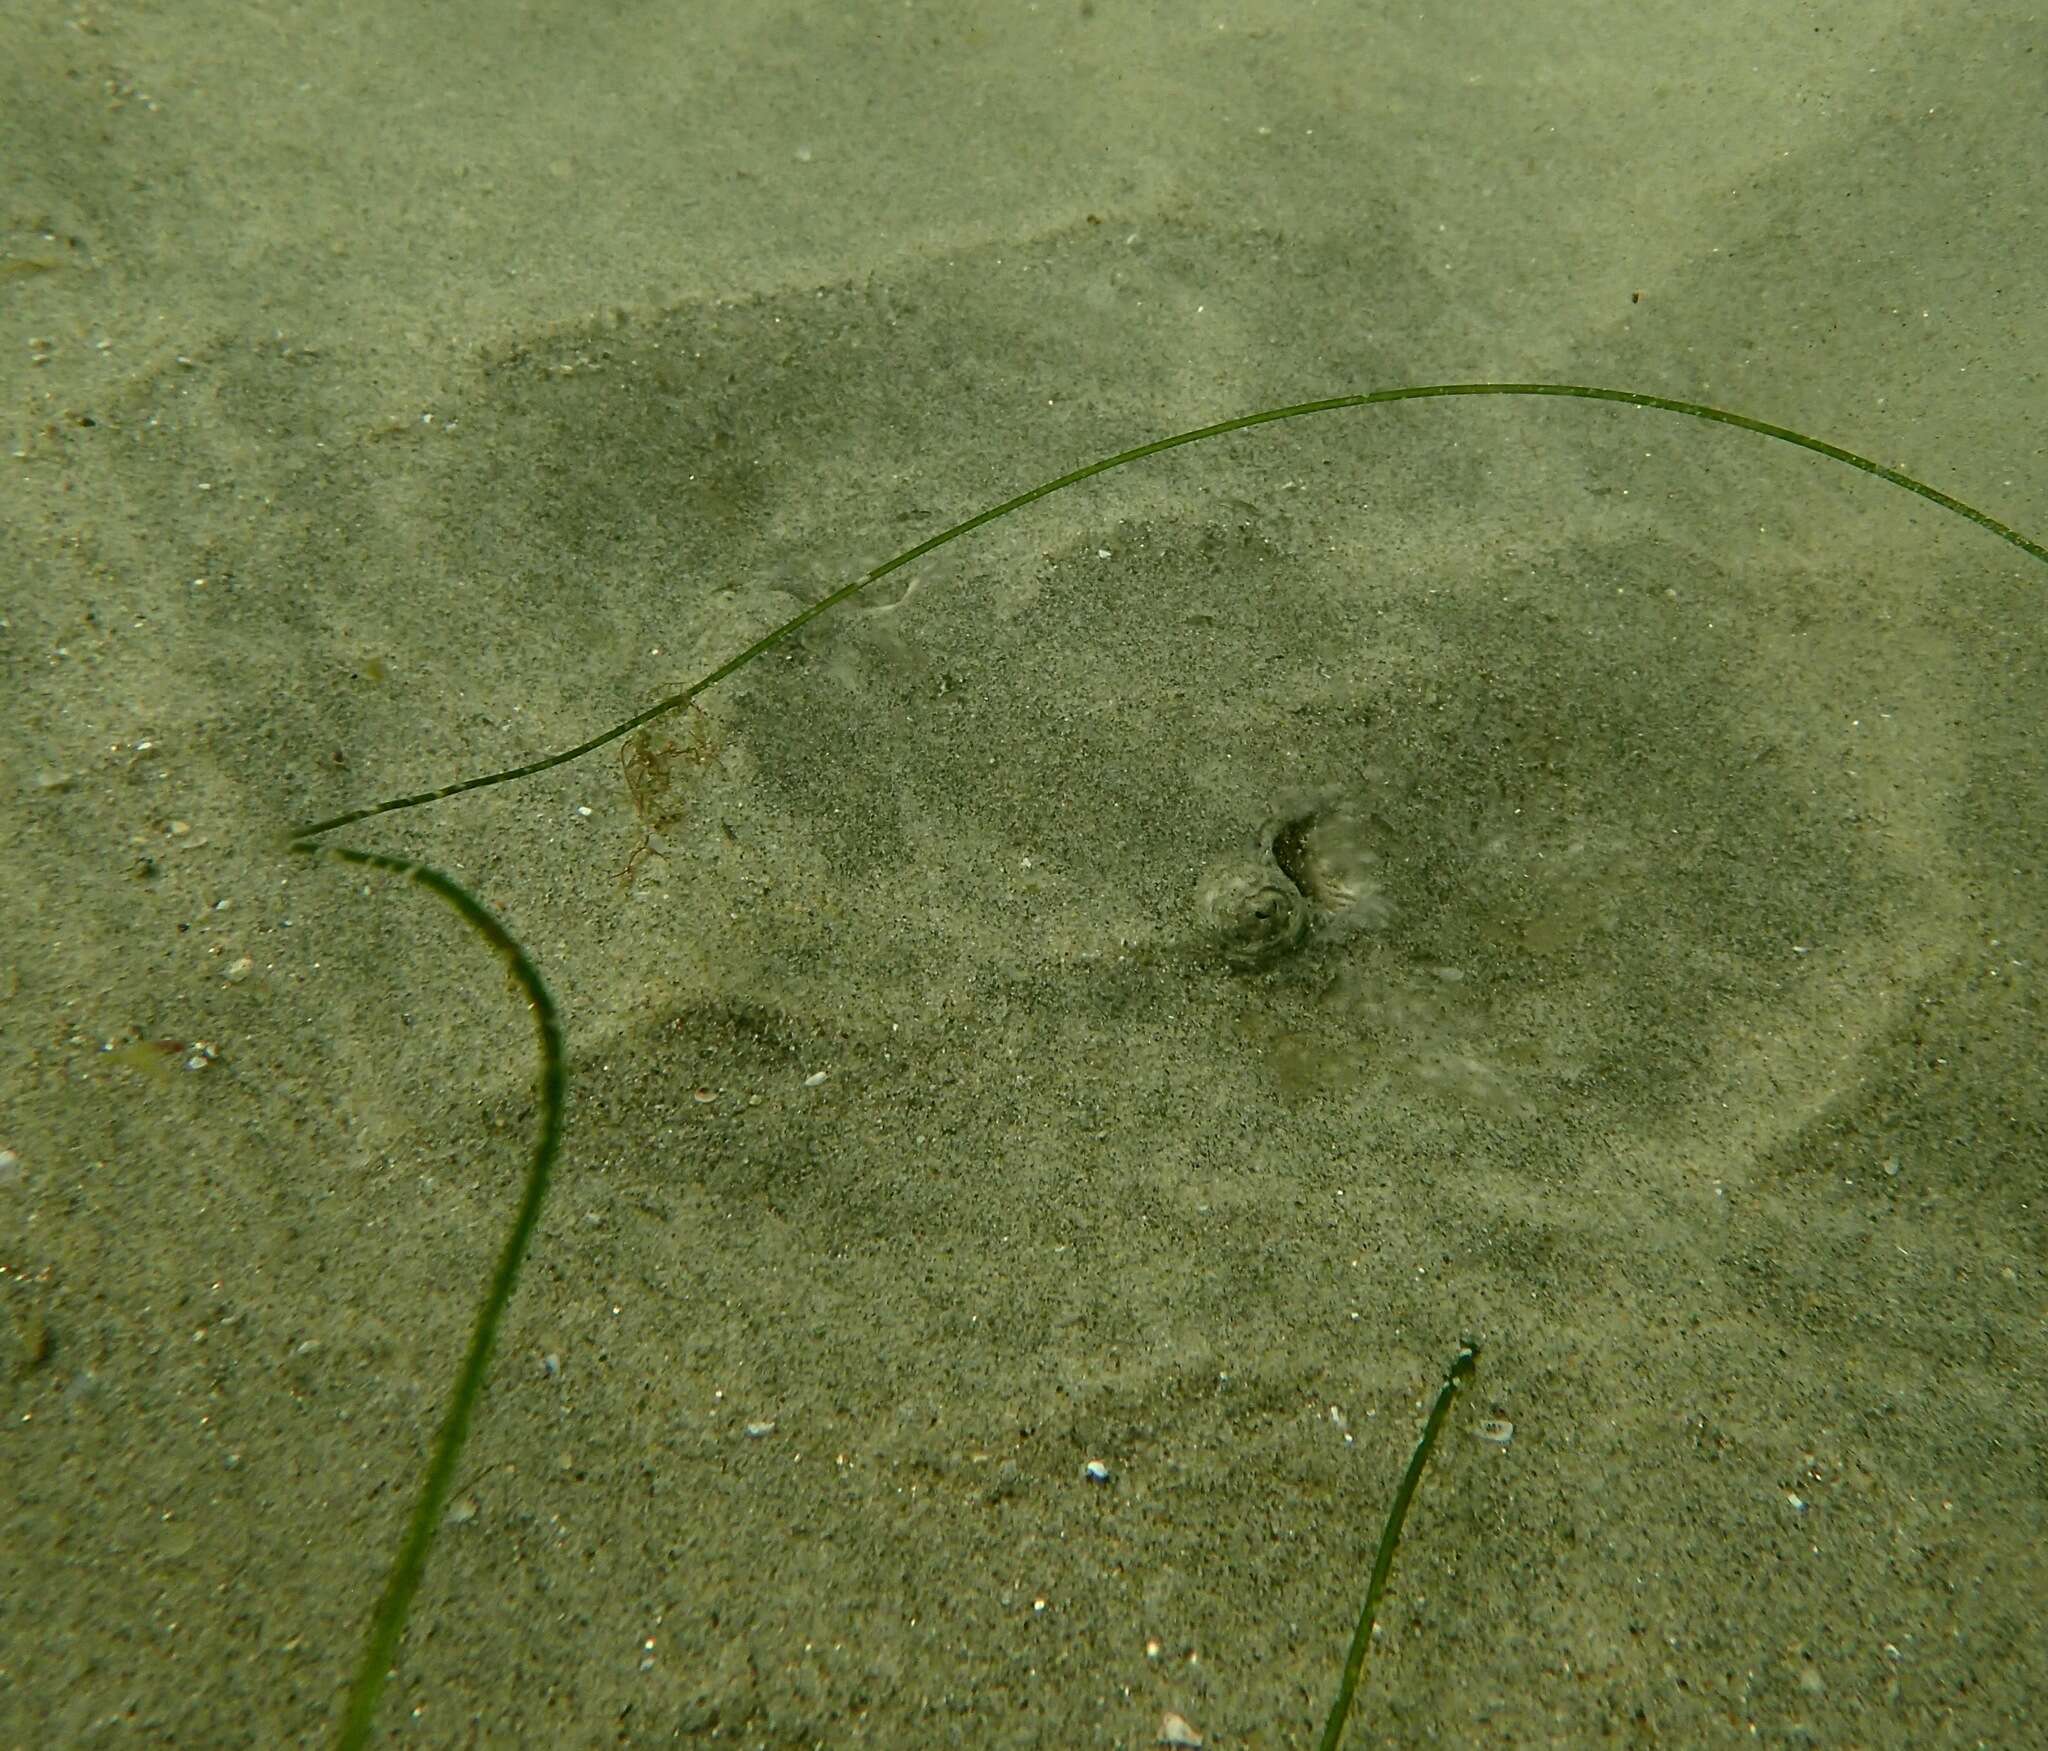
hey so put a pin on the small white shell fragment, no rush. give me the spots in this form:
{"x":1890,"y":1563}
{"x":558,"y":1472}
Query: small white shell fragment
{"x":1498,"y":1430}
{"x":816,"y":1079}
{"x":756,"y":1430}
{"x":239,"y":969}
{"x":1174,"y":1730}
{"x":1095,"y":1471}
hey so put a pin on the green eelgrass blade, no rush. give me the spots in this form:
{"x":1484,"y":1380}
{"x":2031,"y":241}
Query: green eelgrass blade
{"x":389,"y":1621}
{"x":1361,"y":1637}
{"x":1073,"y":477}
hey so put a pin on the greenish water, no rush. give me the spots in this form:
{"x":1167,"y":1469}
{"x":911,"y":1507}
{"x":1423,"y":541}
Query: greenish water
{"x":369,"y":430}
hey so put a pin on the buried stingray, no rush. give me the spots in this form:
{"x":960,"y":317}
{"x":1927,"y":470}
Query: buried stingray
{"x":1310,"y":871}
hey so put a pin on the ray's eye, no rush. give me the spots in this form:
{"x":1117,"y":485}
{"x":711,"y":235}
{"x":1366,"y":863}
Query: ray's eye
{"x":1253,"y":914}
{"x":1316,"y":867}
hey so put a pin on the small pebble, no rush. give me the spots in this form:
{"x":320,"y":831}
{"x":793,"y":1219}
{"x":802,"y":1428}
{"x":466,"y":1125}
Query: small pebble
{"x":1174,"y":1730}
{"x":1095,"y":1471}
{"x":1498,"y":1430}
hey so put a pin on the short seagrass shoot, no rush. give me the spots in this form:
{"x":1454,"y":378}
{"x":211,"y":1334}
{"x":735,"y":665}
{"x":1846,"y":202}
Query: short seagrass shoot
{"x":387,"y":1621}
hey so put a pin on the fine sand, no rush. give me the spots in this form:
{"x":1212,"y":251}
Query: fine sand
{"x":399,"y":394}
